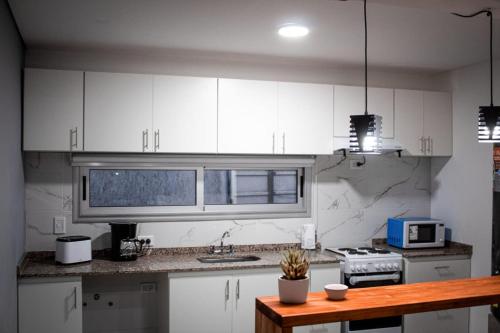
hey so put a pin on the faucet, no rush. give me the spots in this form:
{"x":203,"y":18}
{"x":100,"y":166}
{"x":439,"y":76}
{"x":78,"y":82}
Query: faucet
{"x":224,"y":235}
{"x":220,"y":250}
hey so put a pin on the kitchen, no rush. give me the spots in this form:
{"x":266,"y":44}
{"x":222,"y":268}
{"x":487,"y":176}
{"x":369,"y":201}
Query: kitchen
{"x":228,"y":56}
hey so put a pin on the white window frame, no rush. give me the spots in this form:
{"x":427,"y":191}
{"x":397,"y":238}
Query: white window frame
{"x":199,"y":212}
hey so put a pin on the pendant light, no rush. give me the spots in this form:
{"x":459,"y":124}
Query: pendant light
{"x":489,"y":116}
{"x":365,"y":129}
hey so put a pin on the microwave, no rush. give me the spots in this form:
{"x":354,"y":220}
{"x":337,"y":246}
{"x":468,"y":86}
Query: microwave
{"x":410,"y":233}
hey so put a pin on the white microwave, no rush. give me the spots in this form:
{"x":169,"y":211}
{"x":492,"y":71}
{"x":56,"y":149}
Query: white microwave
{"x":410,"y":233}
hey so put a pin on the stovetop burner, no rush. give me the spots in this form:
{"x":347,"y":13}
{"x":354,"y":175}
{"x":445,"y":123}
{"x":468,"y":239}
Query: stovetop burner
{"x":353,"y":251}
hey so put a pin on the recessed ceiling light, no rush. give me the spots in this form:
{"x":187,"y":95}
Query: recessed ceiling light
{"x":293,"y":31}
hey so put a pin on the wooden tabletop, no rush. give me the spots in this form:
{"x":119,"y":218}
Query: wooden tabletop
{"x":375,"y":302}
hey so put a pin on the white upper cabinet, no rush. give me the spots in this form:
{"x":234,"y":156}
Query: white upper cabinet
{"x":184,"y":114}
{"x":350,"y":100}
{"x":438,"y":123}
{"x":53,"y":110}
{"x":305,"y":118}
{"x":424,"y":122}
{"x":118,"y":112}
{"x":248,"y":116}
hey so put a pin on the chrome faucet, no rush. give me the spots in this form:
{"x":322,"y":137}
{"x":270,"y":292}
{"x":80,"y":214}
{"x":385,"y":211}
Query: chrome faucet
{"x":224,"y":235}
{"x":220,"y":250}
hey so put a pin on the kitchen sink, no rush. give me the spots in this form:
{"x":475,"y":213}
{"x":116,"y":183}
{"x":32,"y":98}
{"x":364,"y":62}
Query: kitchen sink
{"x":227,"y":258}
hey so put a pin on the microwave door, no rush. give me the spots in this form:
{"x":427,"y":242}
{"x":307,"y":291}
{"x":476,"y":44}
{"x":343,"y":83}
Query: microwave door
{"x":421,"y":233}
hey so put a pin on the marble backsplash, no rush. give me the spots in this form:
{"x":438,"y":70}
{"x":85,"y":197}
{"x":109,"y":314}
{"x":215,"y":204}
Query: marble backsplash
{"x":348,"y":206}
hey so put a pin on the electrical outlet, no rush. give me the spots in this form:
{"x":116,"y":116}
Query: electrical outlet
{"x":354,"y":165}
{"x":151,"y":239}
{"x":59,"y":225}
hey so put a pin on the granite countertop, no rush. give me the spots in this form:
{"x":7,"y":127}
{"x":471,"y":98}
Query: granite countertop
{"x":42,"y":264}
{"x":451,"y":249}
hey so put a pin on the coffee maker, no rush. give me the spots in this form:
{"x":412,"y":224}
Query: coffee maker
{"x":124,"y":244}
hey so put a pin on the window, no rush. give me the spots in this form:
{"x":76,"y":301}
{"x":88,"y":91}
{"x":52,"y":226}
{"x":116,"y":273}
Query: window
{"x":175,"y":189}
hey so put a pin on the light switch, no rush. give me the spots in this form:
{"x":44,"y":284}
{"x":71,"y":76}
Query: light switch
{"x":59,"y":225}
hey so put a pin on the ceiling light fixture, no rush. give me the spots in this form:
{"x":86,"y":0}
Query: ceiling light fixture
{"x":365,"y":129}
{"x":489,"y":116}
{"x":293,"y":31}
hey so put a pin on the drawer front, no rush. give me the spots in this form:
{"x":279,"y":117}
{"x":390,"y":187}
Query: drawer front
{"x":436,"y":270}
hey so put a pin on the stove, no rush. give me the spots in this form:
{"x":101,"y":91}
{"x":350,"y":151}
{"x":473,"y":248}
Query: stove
{"x":368,"y":260}
{"x":363,"y":267}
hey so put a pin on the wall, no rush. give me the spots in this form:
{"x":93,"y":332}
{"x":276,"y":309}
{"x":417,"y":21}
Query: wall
{"x":462,"y":193}
{"x":11,"y":168}
{"x":349,"y":206}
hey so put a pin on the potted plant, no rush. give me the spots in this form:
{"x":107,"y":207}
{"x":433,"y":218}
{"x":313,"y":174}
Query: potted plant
{"x":294,"y":284}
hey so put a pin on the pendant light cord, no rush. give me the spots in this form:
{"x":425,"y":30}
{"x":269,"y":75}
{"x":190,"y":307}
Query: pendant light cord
{"x":489,"y":13}
{"x":366,"y":60}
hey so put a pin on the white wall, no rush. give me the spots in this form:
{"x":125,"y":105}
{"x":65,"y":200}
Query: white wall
{"x":11,"y":168}
{"x":462,"y":192}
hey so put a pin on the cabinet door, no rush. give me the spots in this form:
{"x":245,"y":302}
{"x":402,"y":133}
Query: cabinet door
{"x":446,"y":321}
{"x":50,"y":305}
{"x":351,"y":101}
{"x":409,"y":119}
{"x":247,"y":288}
{"x":322,"y":275}
{"x":185,"y":114}
{"x":438,"y":126}
{"x":118,"y":112}
{"x":305,"y":117}
{"x":248,"y":115}
{"x":53,"y":110}
{"x":201,"y":303}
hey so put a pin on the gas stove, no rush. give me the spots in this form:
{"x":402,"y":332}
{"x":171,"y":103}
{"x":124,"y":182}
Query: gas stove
{"x":357,"y":260}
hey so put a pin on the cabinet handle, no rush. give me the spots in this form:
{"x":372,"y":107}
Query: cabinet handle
{"x":238,"y":289}
{"x":424,"y":147}
{"x":73,"y":143}
{"x":157,"y":140}
{"x":227,"y":291}
{"x":145,"y":139}
{"x":274,"y":140}
{"x":421,"y":144}
{"x":283,"y":142}
{"x":441,"y":267}
{"x":76,"y":299}
{"x":428,"y":145}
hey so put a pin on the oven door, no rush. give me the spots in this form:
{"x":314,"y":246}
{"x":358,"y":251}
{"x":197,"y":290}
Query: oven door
{"x":377,"y":325}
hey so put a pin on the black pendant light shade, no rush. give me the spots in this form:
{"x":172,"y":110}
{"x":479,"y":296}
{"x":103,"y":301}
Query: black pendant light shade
{"x":365,"y":129}
{"x":364,"y":134}
{"x":489,"y":116}
{"x":489,"y":124}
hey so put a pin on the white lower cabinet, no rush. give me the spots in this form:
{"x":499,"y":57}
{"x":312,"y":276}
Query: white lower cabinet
{"x":219,"y":302}
{"x":50,"y":305}
{"x":437,"y":269}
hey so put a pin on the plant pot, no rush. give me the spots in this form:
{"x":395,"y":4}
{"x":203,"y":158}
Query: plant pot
{"x":293,"y":291}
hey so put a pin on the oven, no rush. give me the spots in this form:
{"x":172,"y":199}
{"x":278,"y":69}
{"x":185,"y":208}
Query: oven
{"x":377,"y":325}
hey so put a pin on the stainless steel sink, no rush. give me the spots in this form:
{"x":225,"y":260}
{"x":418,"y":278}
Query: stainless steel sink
{"x":227,"y":258}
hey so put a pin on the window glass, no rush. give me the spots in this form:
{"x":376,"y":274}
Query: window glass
{"x":141,"y":188}
{"x":244,"y":187}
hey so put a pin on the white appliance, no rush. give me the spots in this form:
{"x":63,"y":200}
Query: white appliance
{"x":73,"y":249}
{"x":362,"y":267}
{"x":308,"y":237}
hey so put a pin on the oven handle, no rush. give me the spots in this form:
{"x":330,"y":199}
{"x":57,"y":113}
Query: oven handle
{"x":353,"y":280}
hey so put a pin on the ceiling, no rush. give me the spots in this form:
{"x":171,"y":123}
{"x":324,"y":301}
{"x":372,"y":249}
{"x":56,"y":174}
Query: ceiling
{"x":410,"y":34}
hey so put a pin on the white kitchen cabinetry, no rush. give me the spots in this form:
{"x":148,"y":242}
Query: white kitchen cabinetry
{"x":424,"y":122}
{"x":53,"y":110}
{"x":50,"y":305}
{"x":437,"y":269}
{"x":305,"y":118}
{"x":248,"y":116}
{"x":350,"y":100}
{"x":184,"y":114}
{"x":227,"y":301}
{"x":118,"y":112}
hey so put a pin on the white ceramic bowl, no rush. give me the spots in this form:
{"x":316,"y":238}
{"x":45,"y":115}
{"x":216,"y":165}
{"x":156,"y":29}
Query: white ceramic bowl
{"x":336,"y":291}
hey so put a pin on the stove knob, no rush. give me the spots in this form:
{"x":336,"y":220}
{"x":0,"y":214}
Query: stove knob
{"x":396,"y":266}
{"x":352,"y":268}
{"x":364,"y":268}
{"x":358,"y":268}
{"x":377,"y":267}
{"x":382,"y":266}
{"x":389,"y":266}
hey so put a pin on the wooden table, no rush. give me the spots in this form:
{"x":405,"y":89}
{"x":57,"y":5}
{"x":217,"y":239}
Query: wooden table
{"x":271,"y":316}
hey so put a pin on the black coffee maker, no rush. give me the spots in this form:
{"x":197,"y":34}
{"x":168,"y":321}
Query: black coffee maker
{"x":124,"y":244}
